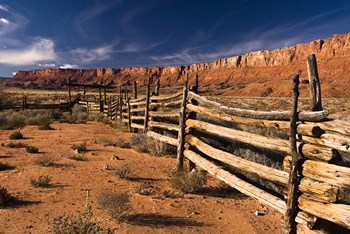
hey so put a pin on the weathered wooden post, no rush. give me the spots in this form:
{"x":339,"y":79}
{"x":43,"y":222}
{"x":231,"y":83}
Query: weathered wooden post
{"x":193,"y":115}
{"x":69,"y":96}
{"x":157,"y":88}
{"x":135,"y":89}
{"x":121,"y":105}
{"x":84,"y":94}
{"x":181,"y":134}
{"x":129,"y":115}
{"x":148,"y":95}
{"x":100,"y":99}
{"x":104,"y":95}
{"x":296,"y":163}
{"x":315,"y":87}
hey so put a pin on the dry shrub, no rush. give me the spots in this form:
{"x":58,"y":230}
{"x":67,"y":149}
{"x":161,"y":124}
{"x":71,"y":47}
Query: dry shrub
{"x":37,"y":117}
{"x":46,"y":126}
{"x":11,"y":120}
{"x":146,"y":189}
{"x":115,"y":204}
{"x":41,"y":181}
{"x":45,"y":161}
{"x":5,"y":197}
{"x":32,"y":149}
{"x":122,"y":171}
{"x":78,"y":115}
{"x":141,"y":143}
{"x":121,"y":143}
{"x":77,"y":158}
{"x":78,"y":223}
{"x":16,"y":136}
{"x":99,"y":117}
{"x":16,"y":145}
{"x":79,"y":147}
{"x":188,"y":182}
{"x":5,"y":166}
{"x":105,"y":141}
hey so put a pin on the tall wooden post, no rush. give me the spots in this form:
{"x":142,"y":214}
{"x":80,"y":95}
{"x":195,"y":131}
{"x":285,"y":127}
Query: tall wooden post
{"x":315,"y":87}
{"x":129,"y":115}
{"x":181,"y":134}
{"x":193,"y":115}
{"x":294,"y":174}
{"x":100,"y":99}
{"x":69,"y":96}
{"x":145,"y":123}
{"x":104,"y":96}
{"x":157,"y":89}
{"x":135,"y":89}
{"x":84,"y":94}
{"x":121,"y":105}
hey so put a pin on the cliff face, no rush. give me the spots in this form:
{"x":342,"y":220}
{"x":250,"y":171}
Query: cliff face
{"x":259,"y":73}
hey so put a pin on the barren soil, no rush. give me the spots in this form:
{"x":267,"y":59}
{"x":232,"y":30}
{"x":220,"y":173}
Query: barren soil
{"x":163,"y":211}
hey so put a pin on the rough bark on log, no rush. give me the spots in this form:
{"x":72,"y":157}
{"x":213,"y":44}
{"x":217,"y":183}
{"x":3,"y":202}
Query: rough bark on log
{"x":166,"y":104}
{"x":170,"y":114}
{"x":162,"y":138}
{"x":314,"y":80}
{"x":182,"y":126}
{"x":324,"y":172}
{"x":268,"y":115}
{"x":166,"y":97}
{"x":336,"y":213}
{"x":330,"y":140}
{"x":246,"y":188}
{"x":304,"y":129}
{"x":167,"y":126}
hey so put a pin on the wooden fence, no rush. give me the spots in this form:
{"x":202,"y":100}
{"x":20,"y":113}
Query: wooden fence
{"x":310,"y":178}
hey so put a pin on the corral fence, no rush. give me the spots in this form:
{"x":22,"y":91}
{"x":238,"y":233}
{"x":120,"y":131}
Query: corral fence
{"x":309,"y":179}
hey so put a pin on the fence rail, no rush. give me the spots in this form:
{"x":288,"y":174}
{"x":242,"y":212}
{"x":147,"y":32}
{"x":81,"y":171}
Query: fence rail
{"x":198,"y":127}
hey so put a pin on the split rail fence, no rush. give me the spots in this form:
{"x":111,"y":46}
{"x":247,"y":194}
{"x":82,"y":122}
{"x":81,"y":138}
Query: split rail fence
{"x":311,"y":181}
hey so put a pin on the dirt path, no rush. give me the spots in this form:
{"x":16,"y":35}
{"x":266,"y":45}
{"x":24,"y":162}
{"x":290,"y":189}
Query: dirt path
{"x":164,"y":211}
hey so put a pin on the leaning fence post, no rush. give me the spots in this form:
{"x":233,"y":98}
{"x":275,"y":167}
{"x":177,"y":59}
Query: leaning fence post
{"x":193,"y":115}
{"x":135,"y":89}
{"x":294,"y":174}
{"x":145,"y":124}
{"x":69,"y":96}
{"x":315,"y":87}
{"x":129,"y":115}
{"x":181,"y":134}
{"x":120,"y":106}
{"x":156,"y":93}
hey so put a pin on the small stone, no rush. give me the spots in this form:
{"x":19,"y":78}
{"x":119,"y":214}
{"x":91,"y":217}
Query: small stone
{"x":221,"y":211}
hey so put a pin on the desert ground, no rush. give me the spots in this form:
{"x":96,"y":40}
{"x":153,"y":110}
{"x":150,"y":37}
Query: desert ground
{"x":161,"y":210}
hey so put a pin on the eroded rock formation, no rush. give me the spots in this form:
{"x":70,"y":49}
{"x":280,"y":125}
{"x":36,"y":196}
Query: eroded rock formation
{"x":259,"y":73}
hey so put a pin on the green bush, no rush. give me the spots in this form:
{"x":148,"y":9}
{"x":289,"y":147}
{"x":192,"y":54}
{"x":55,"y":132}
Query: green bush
{"x":16,"y":136}
{"x":188,"y":182}
{"x":41,"y":182}
{"x":115,"y":204}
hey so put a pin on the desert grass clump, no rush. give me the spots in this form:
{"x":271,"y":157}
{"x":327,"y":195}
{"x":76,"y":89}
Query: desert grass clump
{"x":77,"y":157}
{"x":188,"y":182}
{"x":45,"y":161}
{"x":32,"y":149}
{"x":115,"y":204}
{"x":122,"y":171}
{"x":5,"y":166}
{"x":46,"y":126}
{"x":16,"y":145}
{"x":38,"y":117}
{"x":121,"y":143}
{"x":11,"y":120}
{"x":41,"y":182}
{"x":79,"y":147}
{"x":141,"y":143}
{"x":5,"y":197}
{"x":16,"y":136}
{"x":79,"y":223}
{"x":78,"y":115}
{"x":100,"y":117}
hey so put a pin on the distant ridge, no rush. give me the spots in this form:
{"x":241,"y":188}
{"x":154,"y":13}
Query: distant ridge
{"x":259,"y":73}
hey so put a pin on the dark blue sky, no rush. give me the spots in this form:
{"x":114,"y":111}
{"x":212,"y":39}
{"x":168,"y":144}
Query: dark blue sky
{"x":36,"y":34}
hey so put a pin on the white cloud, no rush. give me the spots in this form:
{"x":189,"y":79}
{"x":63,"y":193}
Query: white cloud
{"x":40,"y":50}
{"x":69,"y":66}
{"x":4,"y":8}
{"x":14,"y":73}
{"x":87,"y":55}
{"x":4,"y":21}
{"x":47,"y":65}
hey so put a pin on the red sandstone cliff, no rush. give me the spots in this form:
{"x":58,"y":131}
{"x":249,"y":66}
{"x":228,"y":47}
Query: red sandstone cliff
{"x":260,"y":73}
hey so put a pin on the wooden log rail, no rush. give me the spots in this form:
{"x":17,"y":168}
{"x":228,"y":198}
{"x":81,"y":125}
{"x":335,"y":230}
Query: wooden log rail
{"x":268,"y":115}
